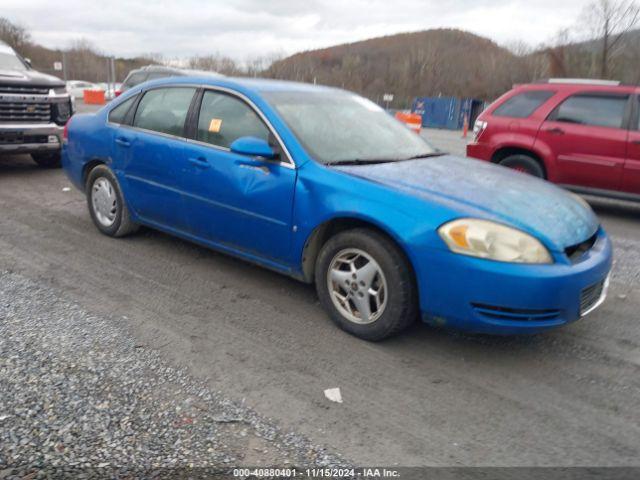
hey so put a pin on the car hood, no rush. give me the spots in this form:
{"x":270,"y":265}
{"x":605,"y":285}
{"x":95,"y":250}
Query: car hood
{"x":29,"y":77}
{"x":480,"y":189}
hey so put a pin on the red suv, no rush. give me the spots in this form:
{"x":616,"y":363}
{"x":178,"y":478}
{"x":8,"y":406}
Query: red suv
{"x":582,"y":134}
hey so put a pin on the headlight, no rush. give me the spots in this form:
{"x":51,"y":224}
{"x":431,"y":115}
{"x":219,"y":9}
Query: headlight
{"x":478,"y":128}
{"x":493,"y":241}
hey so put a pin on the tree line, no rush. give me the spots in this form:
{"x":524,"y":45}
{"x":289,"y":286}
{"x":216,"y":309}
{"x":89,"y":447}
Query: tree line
{"x":603,"y":43}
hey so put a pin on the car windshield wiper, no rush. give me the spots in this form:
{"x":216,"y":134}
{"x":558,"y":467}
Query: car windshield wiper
{"x":426,"y":155}
{"x":361,"y":161}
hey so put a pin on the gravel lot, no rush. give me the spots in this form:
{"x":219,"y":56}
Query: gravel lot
{"x":80,"y":394}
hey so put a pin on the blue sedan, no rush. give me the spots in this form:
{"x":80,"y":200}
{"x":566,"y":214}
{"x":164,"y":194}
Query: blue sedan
{"x":322,"y":185}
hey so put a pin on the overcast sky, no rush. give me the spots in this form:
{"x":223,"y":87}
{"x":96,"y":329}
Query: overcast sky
{"x":246,"y":28}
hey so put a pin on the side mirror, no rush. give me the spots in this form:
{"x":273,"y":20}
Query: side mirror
{"x":253,"y":147}
{"x":28,"y":61}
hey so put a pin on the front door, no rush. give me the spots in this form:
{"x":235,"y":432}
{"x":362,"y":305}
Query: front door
{"x":151,"y":156}
{"x":588,"y":139}
{"x":245,"y":203}
{"x":631,"y":176}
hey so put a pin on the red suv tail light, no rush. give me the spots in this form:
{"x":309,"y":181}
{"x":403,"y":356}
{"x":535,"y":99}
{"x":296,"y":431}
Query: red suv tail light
{"x":65,"y":132}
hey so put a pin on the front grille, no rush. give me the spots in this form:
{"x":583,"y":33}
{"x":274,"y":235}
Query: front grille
{"x":24,"y":90}
{"x":590,"y":296}
{"x":574,"y":252}
{"x":25,"y":111}
{"x":515,"y":314}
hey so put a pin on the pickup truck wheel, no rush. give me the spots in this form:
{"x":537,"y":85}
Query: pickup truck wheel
{"x":106,"y":203}
{"x":47,"y":160}
{"x":523,"y":163}
{"x":366,"y":285}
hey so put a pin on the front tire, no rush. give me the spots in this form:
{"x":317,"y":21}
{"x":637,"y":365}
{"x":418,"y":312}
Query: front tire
{"x":523,"y":163}
{"x":106,"y":203}
{"x":366,"y":284}
{"x":47,"y":160}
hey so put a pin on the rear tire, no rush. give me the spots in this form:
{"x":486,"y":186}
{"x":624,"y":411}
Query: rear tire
{"x":345,"y":284}
{"x":47,"y":160}
{"x":107,"y":207}
{"x":523,"y":163}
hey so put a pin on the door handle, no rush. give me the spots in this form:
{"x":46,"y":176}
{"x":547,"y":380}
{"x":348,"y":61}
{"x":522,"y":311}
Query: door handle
{"x":636,"y":142}
{"x":555,"y":131}
{"x":123,"y":141}
{"x":200,"y":162}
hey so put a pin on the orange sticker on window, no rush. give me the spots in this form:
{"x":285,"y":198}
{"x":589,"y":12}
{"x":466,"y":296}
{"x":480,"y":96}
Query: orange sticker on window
{"x":215,"y":125}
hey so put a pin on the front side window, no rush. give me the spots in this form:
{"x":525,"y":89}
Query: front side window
{"x":118,"y":114}
{"x":595,"y":110}
{"x":340,"y":127}
{"x":523,"y":104}
{"x":224,"y":118}
{"x":164,"y":110}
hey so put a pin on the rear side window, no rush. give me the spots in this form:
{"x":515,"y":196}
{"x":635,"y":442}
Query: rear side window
{"x":135,"y":79}
{"x":223,"y":119}
{"x":523,"y":104}
{"x":594,"y":110}
{"x":118,"y":114}
{"x":164,"y":110}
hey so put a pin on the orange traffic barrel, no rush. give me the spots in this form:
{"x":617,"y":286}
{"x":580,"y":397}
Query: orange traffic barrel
{"x":413,"y":121}
{"x":95,"y":97}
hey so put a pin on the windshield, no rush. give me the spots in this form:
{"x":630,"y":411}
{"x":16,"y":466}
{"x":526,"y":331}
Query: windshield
{"x":10,"y":61}
{"x":337,"y":127}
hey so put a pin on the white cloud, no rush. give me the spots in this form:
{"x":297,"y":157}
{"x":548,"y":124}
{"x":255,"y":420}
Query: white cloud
{"x":247,"y":28}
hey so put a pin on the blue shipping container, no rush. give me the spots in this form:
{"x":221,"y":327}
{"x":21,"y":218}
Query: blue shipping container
{"x":446,"y":112}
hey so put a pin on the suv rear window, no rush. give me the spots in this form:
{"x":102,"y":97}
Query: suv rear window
{"x":523,"y":104}
{"x":592,"y":109}
{"x":135,"y":78}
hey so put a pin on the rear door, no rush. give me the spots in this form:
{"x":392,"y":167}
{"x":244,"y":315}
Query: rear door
{"x":150,"y":155}
{"x":233,"y":199}
{"x":587,"y":137}
{"x":631,"y":176}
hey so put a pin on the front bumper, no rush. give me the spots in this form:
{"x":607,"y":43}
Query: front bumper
{"x":479,"y":151}
{"x":482,"y":296}
{"x":30,"y":138}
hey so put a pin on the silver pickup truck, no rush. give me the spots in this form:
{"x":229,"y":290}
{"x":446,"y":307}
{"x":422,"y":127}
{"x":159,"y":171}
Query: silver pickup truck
{"x":34,"y":109}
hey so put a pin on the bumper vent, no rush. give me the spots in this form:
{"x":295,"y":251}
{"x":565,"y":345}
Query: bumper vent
{"x":22,"y":139}
{"x":515,"y":314}
{"x":592,"y":296}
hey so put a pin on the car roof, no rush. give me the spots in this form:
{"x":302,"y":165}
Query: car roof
{"x":571,"y":85}
{"x":257,"y":85}
{"x":176,"y":70}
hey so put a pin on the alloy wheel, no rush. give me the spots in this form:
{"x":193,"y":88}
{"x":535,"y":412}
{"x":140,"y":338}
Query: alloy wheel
{"x":357,"y":286}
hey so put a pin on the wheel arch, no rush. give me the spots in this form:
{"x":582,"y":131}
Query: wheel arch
{"x":90,"y":165}
{"x":506,"y":151}
{"x":326,"y":230}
